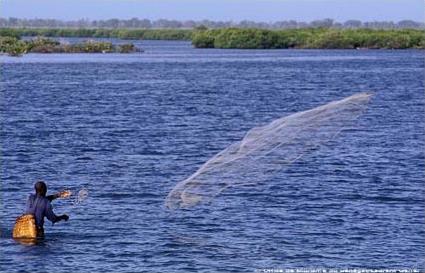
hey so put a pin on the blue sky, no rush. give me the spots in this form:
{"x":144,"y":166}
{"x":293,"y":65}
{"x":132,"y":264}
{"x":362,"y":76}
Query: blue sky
{"x":236,"y":10}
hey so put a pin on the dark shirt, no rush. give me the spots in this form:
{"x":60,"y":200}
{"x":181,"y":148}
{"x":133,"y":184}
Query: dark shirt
{"x":40,"y":206}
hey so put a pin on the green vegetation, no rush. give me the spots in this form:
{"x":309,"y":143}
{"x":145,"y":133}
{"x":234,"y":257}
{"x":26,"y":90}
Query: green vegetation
{"x":12,"y":46}
{"x":126,"y":48}
{"x":16,"y":47}
{"x":243,"y":38}
{"x":322,"y":38}
{"x":136,"y":34}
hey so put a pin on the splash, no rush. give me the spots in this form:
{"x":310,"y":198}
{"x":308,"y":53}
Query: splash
{"x":266,"y":150}
{"x":74,"y":197}
{"x":80,"y":197}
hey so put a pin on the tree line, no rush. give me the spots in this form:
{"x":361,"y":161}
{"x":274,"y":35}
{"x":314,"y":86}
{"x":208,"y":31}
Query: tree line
{"x":242,"y":38}
{"x":135,"y":34}
{"x":132,"y":23}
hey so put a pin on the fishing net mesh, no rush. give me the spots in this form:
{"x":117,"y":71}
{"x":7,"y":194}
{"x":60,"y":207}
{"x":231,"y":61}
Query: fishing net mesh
{"x":266,"y":150}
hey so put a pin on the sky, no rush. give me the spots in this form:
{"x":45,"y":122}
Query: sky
{"x":225,"y":10}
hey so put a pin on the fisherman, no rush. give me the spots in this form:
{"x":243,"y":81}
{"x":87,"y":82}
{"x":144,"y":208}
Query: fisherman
{"x":39,"y":205}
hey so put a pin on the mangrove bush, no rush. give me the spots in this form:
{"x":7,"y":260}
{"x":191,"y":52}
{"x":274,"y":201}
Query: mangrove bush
{"x":309,"y":38}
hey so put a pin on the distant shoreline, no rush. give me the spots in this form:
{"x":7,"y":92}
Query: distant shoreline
{"x":126,"y":34}
{"x":226,"y":38}
{"x":145,"y":23}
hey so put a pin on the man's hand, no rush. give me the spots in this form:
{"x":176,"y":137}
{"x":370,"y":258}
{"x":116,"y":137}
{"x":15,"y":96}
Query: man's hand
{"x":64,"y":194}
{"x":64,"y":217}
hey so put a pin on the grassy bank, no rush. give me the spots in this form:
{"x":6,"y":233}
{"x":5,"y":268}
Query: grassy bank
{"x":309,"y":38}
{"x":136,"y":34}
{"x":15,"y":47}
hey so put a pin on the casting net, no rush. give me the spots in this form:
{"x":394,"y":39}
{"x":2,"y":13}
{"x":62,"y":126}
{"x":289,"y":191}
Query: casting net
{"x":266,"y":150}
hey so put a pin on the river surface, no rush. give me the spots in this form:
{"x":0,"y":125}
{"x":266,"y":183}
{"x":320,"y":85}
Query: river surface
{"x":128,"y":127}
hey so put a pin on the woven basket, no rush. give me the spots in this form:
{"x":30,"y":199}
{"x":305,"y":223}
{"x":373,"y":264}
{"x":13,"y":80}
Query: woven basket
{"x":25,"y":227}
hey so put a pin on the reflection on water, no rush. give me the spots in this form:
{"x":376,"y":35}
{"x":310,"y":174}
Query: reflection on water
{"x":29,"y":241}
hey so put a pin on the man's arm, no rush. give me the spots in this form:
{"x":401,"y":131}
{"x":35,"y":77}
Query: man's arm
{"x":52,"y":197}
{"x":52,"y":216}
{"x":62,"y":194}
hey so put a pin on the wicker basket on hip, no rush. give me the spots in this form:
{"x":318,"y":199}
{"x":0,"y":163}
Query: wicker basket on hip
{"x":25,"y":227}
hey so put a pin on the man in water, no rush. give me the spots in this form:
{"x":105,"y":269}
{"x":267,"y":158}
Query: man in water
{"x":39,"y":205}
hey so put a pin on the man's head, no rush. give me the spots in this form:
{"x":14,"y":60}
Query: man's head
{"x":40,"y":188}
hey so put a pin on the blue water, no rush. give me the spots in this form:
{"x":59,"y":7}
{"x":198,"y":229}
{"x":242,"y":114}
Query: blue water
{"x":129,"y":127}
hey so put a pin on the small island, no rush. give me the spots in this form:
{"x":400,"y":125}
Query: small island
{"x":14,"y":46}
